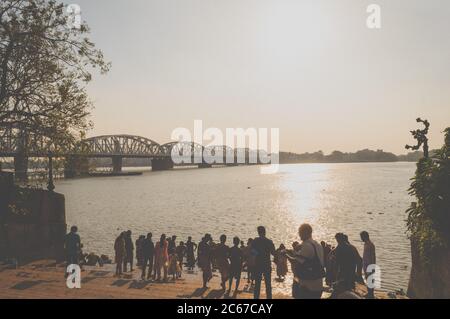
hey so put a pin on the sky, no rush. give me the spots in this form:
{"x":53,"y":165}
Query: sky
{"x":311,"y":68}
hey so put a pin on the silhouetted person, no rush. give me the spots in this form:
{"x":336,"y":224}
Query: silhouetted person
{"x":236,"y":256}
{"x":139,"y":256}
{"x":120,"y":252}
{"x":249,"y":261}
{"x":172,"y":245}
{"x":181,"y":252}
{"x":174,"y":268}
{"x":221,"y":253}
{"x":280,"y":261}
{"x":369,"y":258}
{"x":358,"y":275}
{"x":191,"y":247}
{"x":161,"y":257}
{"x":308,"y":266}
{"x":148,"y":253}
{"x":326,"y":250}
{"x":263,"y":248}
{"x":72,"y":245}
{"x":93,"y":259}
{"x":204,"y":259}
{"x":346,"y":263}
{"x":129,"y":247}
{"x":330,"y":265}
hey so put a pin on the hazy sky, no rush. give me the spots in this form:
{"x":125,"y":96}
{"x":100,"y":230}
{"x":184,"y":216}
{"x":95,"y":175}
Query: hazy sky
{"x":311,"y":68}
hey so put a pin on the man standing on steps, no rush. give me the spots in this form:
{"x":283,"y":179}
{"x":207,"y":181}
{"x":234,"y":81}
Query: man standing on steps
{"x":263,"y":248}
{"x":72,"y":246}
{"x":129,"y":247}
{"x":369,"y":258}
{"x":204,"y":259}
{"x":346,"y":262}
{"x":148,"y":252}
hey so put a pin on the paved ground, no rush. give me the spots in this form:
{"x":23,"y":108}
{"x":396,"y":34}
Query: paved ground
{"x":44,"y":279}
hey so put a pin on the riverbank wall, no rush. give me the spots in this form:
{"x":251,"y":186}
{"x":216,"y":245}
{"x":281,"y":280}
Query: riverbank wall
{"x":32,"y":222}
{"x":429,"y":280}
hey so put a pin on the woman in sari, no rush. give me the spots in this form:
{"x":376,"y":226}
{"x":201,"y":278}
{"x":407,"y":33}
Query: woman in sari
{"x":161,"y":258}
{"x":281,"y":262}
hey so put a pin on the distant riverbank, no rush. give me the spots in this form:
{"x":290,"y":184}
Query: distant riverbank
{"x":363,"y":156}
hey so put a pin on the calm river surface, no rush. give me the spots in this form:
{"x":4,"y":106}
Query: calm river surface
{"x":235,"y":200}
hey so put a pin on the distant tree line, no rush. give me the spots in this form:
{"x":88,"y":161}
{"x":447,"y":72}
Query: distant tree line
{"x":365,"y":155}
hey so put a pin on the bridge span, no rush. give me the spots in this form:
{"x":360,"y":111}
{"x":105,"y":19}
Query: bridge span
{"x":117,"y":147}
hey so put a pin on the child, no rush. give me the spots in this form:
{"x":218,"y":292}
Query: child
{"x":173,"y":266}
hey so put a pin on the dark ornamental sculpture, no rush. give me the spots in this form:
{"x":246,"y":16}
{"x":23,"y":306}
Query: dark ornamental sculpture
{"x":421,"y":137}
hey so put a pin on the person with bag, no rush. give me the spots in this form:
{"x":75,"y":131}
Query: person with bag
{"x":308,"y":266}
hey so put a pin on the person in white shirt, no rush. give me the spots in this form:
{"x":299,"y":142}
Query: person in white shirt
{"x":309,"y":255}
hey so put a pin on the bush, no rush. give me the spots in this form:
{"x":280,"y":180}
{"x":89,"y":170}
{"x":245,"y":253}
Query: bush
{"x":429,"y":218}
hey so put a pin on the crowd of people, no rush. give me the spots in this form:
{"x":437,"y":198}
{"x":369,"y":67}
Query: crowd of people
{"x":311,"y":262}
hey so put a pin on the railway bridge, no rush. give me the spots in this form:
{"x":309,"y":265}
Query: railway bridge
{"x":117,"y":147}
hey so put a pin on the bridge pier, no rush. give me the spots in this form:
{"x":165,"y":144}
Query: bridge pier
{"x":76,"y":166}
{"x":21,"y":167}
{"x":162,"y":164}
{"x":231,"y":164}
{"x":204,"y":165}
{"x":117,"y":164}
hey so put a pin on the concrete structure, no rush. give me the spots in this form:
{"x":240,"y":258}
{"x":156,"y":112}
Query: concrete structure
{"x":32,"y":222}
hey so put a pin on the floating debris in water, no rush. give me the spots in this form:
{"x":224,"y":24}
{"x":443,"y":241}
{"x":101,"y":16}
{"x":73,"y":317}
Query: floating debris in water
{"x":369,"y":213}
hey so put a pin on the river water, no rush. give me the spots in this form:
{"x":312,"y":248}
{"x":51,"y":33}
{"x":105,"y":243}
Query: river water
{"x":333,"y":198}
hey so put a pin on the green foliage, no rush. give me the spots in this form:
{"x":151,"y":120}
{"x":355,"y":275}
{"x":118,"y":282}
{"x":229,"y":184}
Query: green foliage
{"x":429,"y":218}
{"x":44,"y":69}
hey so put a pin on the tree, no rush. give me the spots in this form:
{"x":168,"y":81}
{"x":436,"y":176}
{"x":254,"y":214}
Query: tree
{"x":44,"y":69}
{"x":429,"y":217}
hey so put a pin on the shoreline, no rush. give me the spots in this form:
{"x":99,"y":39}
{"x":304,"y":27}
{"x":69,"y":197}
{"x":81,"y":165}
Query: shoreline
{"x":44,"y":279}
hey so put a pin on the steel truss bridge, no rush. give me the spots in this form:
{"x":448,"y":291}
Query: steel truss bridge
{"x":163,"y":156}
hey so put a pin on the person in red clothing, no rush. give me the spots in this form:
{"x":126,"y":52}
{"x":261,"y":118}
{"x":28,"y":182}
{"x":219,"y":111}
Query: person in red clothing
{"x":161,"y":258}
